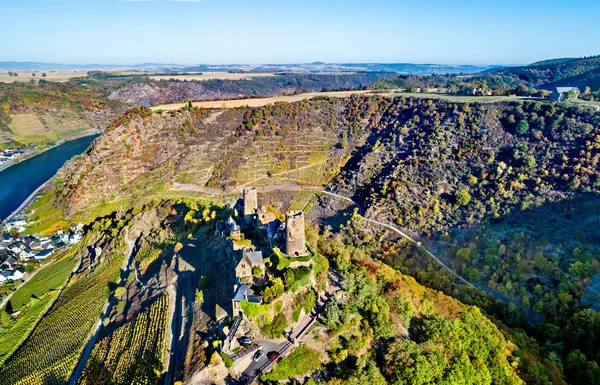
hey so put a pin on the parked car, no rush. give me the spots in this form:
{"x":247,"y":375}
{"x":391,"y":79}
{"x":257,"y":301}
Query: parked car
{"x":258,"y":355}
{"x":245,"y":341}
{"x":274,"y":356}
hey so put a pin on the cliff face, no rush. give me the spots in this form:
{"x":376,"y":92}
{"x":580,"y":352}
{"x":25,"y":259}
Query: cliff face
{"x":137,"y":147}
{"x":142,"y":152}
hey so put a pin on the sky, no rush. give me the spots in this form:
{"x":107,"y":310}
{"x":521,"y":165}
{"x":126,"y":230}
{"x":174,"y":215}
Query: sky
{"x":479,"y":32}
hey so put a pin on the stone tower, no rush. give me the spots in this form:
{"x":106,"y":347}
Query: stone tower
{"x":294,"y":234}
{"x":250,"y":205}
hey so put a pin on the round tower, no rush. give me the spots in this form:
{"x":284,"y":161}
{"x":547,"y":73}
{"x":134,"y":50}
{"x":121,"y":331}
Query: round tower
{"x":295,"y":245}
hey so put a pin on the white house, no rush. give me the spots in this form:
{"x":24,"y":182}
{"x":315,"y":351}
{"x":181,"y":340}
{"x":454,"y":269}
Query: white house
{"x":43,"y":254}
{"x":560,"y":93}
{"x":26,"y":253}
{"x":17,"y":274}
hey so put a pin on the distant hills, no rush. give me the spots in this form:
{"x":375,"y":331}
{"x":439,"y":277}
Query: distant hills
{"x":401,"y":68}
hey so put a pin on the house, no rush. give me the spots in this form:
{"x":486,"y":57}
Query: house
{"x":26,"y":253}
{"x":247,"y":261}
{"x":10,"y":263}
{"x":16,"y":247}
{"x":75,"y":237}
{"x":244,"y":293}
{"x":17,"y":274}
{"x":43,"y":254}
{"x":476,"y":91}
{"x":561,"y":93}
{"x":3,"y":278}
{"x":13,"y":274}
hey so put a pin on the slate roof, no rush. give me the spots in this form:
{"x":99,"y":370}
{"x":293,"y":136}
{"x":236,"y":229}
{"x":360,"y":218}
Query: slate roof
{"x":254,"y":257}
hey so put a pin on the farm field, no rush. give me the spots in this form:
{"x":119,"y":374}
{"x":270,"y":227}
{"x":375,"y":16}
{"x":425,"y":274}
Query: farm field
{"x":55,"y":76}
{"x":259,"y":102}
{"x":52,"y":350}
{"x":133,"y":353}
{"x":14,"y":334}
{"x":42,"y":130}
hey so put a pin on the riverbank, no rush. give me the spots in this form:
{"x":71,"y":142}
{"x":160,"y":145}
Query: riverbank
{"x":39,"y":151}
{"x":19,"y":181}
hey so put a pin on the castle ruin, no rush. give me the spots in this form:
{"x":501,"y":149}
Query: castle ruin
{"x":250,"y":205}
{"x":295,"y":245}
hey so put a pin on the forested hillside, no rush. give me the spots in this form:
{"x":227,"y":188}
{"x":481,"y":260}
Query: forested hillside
{"x":577,"y":72}
{"x":149,"y":92}
{"x":504,"y":194}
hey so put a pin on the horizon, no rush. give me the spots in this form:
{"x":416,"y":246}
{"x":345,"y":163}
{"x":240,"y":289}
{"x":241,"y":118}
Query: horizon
{"x":213,"y":32}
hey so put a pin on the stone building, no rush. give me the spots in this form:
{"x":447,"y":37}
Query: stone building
{"x":295,"y":244}
{"x":246,"y":261}
{"x":250,"y":205}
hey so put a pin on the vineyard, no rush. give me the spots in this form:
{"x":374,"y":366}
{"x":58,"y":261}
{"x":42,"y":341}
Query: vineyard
{"x":301,"y":201}
{"x":151,"y":250}
{"x":11,"y":337}
{"x":51,"y":352}
{"x":133,"y":353}
{"x":48,"y":278}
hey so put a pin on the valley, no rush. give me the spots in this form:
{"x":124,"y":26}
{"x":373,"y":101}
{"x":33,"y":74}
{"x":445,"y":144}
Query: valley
{"x":440,"y":234}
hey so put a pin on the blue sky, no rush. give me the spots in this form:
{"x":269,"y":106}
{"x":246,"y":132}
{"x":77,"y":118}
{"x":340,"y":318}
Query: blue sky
{"x":288,"y":31}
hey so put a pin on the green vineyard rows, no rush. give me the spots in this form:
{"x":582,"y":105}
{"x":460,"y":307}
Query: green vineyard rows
{"x":51,"y":352}
{"x":133,"y":353}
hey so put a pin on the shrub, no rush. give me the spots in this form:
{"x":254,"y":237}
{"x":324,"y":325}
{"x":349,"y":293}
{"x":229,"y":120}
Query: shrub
{"x":303,"y":360}
{"x":276,"y":328}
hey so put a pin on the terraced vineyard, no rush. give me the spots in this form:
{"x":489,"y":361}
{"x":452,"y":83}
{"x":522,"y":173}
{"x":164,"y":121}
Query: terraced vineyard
{"x":133,"y":353}
{"x":11,"y":337}
{"x":32,"y":300}
{"x":151,"y":250}
{"x":51,"y":352}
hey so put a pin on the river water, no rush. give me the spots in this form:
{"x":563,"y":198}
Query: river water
{"x":19,"y":181}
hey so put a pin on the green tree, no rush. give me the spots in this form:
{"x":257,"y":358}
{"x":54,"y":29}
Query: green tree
{"x":463,"y":197}
{"x":523,"y":127}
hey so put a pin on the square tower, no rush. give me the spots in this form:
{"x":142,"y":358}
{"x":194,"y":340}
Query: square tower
{"x":250,"y":205}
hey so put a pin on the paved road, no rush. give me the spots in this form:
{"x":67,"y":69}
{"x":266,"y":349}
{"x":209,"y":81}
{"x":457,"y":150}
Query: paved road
{"x":25,"y":203}
{"x":267,"y":347}
{"x":284,"y":346}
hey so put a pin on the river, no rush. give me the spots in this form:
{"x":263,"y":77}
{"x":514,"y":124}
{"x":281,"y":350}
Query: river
{"x":19,"y":181}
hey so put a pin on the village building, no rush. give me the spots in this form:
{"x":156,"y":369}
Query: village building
{"x":560,"y":93}
{"x":246,"y":262}
{"x":244,"y":293}
{"x":43,"y":254}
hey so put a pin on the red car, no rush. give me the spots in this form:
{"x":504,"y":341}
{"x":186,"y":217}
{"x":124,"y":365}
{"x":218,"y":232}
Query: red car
{"x":274,"y":356}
